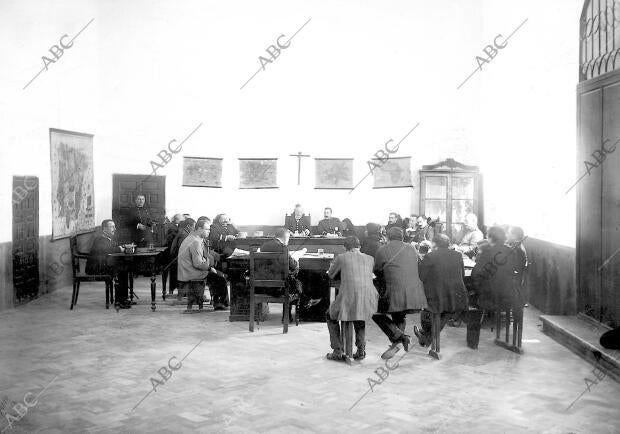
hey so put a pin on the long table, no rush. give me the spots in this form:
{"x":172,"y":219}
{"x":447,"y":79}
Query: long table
{"x":333,"y":245}
{"x":312,"y":274}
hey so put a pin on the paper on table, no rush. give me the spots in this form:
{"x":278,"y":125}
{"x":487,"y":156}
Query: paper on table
{"x":239,"y":252}
{"x":297,"y":254}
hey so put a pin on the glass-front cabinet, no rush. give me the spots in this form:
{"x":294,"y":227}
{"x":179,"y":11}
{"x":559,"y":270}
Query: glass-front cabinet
{"x":449,"y":191}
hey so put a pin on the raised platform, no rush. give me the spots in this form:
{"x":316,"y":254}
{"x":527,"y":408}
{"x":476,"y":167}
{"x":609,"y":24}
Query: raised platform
{"x":581,"y":335}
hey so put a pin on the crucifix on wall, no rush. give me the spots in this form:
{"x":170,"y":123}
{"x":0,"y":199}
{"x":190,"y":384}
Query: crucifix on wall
{"x":299,"y":156}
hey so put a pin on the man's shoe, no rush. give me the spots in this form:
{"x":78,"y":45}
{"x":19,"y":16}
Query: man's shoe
{"x":359,"y":354}
{"x":394,"y":348}
{"x":335,"y":355}
{"x":406,"y":340}
{"x":418,"y":334}
{"x":122,"y":306}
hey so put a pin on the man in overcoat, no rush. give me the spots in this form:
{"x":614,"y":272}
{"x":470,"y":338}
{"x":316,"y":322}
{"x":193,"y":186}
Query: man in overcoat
{"x":396,"y":267}
{"x":356,"y":300}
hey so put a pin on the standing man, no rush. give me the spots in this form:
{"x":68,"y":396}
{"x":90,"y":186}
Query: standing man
{"x":194,"y":265}
{"x":298,"y":223}
{"x":171,"y":232}
{"x":139,"y":223}
{"x":329,"y":225}
{"x":97,"y":262}
{"x":396,"y":266}
{"x":356,"y":300}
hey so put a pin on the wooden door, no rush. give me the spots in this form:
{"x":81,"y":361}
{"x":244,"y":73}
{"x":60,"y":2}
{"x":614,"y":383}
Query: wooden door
{"x":25,"y":250}
{"x":124,"y":191}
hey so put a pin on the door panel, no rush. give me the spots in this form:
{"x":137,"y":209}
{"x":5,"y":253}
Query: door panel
{"x":25,"y":238}
{"x":589,"y":205}
{"x":124,"y":192}
{"x":610,"y":273}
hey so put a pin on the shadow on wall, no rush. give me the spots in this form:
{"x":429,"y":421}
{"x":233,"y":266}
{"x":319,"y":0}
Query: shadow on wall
{"x":551,"y":277}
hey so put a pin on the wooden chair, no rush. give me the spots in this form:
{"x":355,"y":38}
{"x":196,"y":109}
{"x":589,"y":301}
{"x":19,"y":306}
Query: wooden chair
{"x":270,"y":270}
{"x":516,"y":315}
{"x":79,"y":276}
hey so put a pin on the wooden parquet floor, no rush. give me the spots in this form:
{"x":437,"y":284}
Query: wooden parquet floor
{"x":96,"y":371}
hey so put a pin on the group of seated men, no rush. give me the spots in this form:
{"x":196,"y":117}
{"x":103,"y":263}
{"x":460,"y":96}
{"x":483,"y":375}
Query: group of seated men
{"x":405,"y":266}
{"x":386,"y":279}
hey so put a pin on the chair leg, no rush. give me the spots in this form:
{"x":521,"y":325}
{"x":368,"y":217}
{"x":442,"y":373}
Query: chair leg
{"x":73,"y":296}
{"x":507,"y":325}
{"x":107,"y":295}
{"x":498,"y":323}
{"x":297,"y":312}
{"x":287,"y":304}
{"x":252,"y":309}
{"x":77,"y":292}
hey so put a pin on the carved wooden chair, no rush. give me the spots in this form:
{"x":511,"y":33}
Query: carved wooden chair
{"x":80,"y":276}
{"x":269,"y":271}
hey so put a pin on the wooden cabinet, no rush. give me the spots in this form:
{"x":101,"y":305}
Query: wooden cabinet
{"x":450,"y":190}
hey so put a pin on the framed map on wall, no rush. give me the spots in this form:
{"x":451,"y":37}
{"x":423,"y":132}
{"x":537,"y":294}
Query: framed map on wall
{"x":395,"y":172}
{"x":73,"y":195}
{"x":202,"y":172}
{"x":334,"y":173}
{"x":258,"y":172}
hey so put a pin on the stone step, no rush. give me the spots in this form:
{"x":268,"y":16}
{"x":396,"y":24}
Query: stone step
{"x":581,"y":335}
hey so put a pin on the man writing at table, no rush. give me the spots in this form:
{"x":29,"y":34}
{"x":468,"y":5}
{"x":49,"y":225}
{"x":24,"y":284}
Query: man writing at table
{"x":298,"y":223}
{"x":223,"y":235}
{"x":97,"y":262}
{"x":329,"y":225}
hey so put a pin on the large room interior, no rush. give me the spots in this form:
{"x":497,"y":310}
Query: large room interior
{"x":313,"y":137}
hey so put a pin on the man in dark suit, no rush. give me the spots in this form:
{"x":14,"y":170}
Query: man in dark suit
{"x":442,"y":272}
{"x":373,"y":239}
{"x":329,"y":225}
{"x":98,"y":261}
{"x":139,"y":223}
{"x":223,"y":234}
{"x":298,"y":223}
{"x":171,"y":232}
{"x":396,"y":266}
{"x":280,"y":244}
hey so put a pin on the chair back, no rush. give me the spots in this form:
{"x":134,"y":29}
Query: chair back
{"x":268,"y":270}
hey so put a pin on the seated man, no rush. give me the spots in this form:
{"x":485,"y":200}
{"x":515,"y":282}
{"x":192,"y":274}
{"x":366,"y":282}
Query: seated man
{"x":442,"y":272}
{"x":329,"y":225}
{"x":193,"y":265}
{"x":280,"y":244}
{"x":472,"y":236}
{"x":373,"y":239}
{"x":423,"y":232}
{"x":223,"y":235}
{"x":356,"y":300}
{"x":402,"y":292}
{"x":298,"y":223}
{"x":97,"y":262}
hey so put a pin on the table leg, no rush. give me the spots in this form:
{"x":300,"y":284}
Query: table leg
{"x":153,"y":280}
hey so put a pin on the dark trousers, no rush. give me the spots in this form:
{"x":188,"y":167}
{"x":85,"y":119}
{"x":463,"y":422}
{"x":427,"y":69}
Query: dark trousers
{"x":611,"y":339}
{"x":195,"y":292}
{"x":392,"y":324}
{"x":334,"y":334}
{"x":121,"y":292}
{"x":219,"y":289}
{"x":426,"y":319}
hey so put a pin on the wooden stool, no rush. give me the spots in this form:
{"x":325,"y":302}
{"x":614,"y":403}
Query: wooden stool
{"x":435,"y":327}
{"x":517,"y":330}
